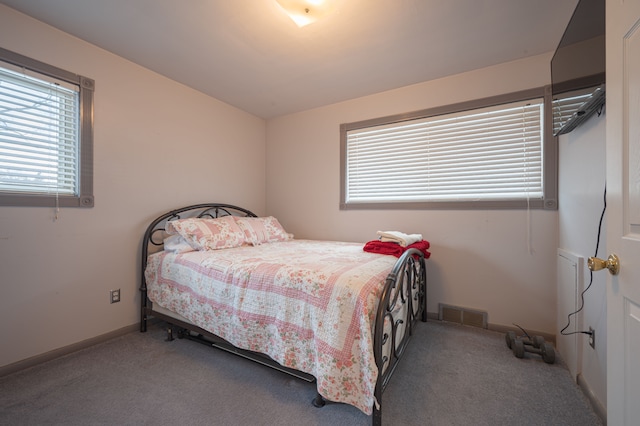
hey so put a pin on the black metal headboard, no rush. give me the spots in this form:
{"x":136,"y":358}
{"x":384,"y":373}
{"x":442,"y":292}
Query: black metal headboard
{"x":212,"y":210}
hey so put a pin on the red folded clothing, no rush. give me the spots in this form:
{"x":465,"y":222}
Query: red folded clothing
{"x":395,"y":249}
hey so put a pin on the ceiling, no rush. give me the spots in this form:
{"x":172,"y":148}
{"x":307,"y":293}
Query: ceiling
{"x":249,"y":54}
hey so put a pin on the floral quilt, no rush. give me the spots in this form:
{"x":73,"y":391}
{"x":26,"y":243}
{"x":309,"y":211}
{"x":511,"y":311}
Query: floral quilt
{"x":309,"y":305}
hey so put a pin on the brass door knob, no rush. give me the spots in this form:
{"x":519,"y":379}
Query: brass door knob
{"x":612,"y":264}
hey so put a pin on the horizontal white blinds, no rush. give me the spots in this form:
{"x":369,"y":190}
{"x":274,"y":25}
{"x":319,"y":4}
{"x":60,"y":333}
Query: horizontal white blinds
{"x":38,"y":135}
{"x":564,"y":108}
{"x":483,"y":154}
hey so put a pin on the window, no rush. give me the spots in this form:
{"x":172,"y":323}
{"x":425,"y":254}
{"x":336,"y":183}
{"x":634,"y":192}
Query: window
{"x":46,"y":134}
{"x":492,"y":153}
{"x":572,"y":108}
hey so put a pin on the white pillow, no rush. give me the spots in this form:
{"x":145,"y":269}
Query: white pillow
{"x":176,"y":244}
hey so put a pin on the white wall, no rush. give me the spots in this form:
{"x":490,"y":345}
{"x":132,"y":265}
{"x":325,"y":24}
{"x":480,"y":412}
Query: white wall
{"x":481,"y":259}
{"x":158,"y":145}
{"x":582,"y":176}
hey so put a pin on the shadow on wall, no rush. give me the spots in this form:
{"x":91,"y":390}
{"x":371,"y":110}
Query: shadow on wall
{"x":471,"y":280}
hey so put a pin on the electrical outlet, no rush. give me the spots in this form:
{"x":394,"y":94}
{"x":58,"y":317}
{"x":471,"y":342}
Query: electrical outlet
{"x":592,"y":338}
{"x":115,"y":296}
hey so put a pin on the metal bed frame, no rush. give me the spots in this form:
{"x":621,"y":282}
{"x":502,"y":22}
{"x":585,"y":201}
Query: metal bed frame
{"x":403,"y":302}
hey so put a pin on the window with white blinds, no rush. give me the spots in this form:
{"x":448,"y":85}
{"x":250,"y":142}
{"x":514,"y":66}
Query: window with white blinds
{"x":572,"y":108}
{"x":492,"y":155}
{"x":43,"y":160}
{"x":565,"y":108}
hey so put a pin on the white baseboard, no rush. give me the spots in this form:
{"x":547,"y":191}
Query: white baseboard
{"x":600,"y":410}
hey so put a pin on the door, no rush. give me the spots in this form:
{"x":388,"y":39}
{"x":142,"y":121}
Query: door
{"x":623,"y":211}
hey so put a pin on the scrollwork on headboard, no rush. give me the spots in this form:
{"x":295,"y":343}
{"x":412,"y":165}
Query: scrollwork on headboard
{"x":207,"y":210}
{"x":211,"y":211}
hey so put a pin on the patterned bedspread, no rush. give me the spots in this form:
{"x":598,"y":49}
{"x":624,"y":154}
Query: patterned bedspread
{"x":309,"y":305}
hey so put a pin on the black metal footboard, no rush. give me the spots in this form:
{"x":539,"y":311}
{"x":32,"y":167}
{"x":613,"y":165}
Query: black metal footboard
{"x":402,"y":303}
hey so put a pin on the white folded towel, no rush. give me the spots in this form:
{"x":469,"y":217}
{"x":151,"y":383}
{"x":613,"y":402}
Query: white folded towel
{"x":399,"y":237}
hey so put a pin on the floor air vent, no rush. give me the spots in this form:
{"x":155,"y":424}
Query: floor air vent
{"x":462,"y":316}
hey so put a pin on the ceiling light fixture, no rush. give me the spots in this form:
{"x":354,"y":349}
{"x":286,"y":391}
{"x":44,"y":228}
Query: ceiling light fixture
{"x":305,"y":12}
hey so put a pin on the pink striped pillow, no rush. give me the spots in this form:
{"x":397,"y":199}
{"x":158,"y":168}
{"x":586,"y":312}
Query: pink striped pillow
{"x":208,"y":234}
{"x":260,"y":230}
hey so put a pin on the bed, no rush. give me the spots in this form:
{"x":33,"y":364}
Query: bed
{"x":324,"y":311}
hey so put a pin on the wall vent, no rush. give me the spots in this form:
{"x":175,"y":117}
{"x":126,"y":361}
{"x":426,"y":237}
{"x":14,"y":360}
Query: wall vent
{"x":462,"y":316}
